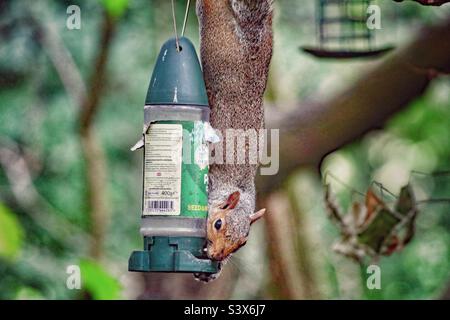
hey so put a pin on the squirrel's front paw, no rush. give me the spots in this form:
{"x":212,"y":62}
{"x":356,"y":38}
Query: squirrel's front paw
{"x":207,"y":277}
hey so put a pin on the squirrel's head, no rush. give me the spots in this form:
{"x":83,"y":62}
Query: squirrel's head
{"x":228,"y":227}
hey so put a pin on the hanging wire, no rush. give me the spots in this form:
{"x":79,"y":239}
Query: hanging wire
{"x":383,"y":189}
{"x":431,"y":174}
{"x":175,"y":26}
{"x":185,"y":18}
{"x":353,"y":190}
{"x":434,"y":200}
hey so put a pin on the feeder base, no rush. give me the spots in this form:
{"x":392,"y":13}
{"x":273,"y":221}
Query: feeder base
{"x":172,"y":254}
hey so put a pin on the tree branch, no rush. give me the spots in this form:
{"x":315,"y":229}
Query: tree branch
{"x":90,"y":105}
{"x":314,"y":130}
{"x":62,"y":59}
{"x":286,"y":278}
{"x":445,"y":295}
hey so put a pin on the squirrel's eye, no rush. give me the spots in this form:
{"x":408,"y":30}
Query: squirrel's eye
{"x":218,"y":224}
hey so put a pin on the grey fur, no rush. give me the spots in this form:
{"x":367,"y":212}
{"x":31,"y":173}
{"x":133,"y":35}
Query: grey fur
{"x":236,"y":49}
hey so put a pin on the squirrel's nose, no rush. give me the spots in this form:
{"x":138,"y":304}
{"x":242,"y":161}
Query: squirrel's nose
{"x":219,"y":256}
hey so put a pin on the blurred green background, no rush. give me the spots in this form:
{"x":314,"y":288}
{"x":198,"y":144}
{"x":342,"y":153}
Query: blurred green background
{"x":44,"y":221}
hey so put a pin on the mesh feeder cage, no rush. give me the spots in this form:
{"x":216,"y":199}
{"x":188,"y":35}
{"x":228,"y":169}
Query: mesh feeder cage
{"x":342,"y":31}
{"x":175,"y":179}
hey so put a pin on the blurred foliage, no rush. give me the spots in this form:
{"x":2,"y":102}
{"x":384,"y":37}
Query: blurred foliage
{"x":39,"y":120}
{"x":115,"y":8}
{"x":97,"y":282}
{"x":415,"y":139}
{"x":11,"y":235}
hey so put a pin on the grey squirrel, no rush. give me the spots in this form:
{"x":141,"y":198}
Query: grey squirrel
{"x":236,"y":49}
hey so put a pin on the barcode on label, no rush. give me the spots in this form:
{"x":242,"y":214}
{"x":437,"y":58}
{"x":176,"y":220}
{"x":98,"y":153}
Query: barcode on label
{"x":159,"y":205}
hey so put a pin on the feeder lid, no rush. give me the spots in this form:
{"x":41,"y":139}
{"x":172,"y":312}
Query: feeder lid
{"x":177,"y":78}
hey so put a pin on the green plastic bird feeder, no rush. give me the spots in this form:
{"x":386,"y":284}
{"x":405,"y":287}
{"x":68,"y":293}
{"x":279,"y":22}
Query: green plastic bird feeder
{"x":175,"y":179}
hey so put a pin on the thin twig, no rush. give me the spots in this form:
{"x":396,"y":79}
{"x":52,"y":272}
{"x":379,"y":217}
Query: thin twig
{"x":62,"y":60}
{"x":92,"y":151}
{"x":436,"y":200}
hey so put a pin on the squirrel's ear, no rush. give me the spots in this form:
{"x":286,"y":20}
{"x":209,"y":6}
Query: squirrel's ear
{"x":232,"y":200}
{"x":257,"y":215}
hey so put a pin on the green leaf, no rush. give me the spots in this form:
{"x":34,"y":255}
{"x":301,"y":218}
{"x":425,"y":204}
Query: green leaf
{"x":379,"y":229}
{"x":11,"y":233}
{"x":98,"y":282}
{"x":115,"y":8}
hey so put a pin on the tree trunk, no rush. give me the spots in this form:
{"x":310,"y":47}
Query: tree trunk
{"x":291,"y":269}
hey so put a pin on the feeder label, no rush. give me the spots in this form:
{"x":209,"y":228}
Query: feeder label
{"x":162,"y":169}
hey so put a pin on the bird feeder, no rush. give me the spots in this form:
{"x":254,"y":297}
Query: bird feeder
{"x":175,"y":178}
{"x":342,"y":32}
